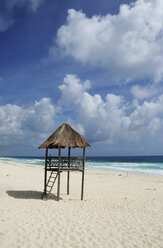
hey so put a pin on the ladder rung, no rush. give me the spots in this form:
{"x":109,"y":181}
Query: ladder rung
{"x":50,"y":183}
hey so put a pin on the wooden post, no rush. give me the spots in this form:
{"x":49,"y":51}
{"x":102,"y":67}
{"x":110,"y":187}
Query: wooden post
{"x":59,"y":164}
{"x":82,"y":189}
{"x":45,"y":176}
{"x":68,"y":173}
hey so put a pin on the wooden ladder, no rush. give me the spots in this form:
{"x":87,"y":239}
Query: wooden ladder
{"x":50,"y":183}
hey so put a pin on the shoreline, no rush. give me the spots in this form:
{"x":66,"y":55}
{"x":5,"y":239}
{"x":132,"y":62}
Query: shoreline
{"x":87,"y":169}
{"x":117,"y":211}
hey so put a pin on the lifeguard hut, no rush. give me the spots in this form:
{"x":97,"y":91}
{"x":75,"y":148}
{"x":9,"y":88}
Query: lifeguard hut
{"x":64,"y":136}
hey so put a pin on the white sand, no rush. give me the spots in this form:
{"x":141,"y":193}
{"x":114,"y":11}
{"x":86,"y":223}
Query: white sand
{"x":118,"y":211}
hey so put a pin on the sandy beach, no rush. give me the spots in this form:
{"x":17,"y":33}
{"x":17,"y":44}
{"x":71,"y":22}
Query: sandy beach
{"x":118,"y":210}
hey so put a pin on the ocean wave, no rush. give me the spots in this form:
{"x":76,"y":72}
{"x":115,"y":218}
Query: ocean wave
{"x":137,"y":168}
{"x":35,"y":161}
{"x":152,"y":168}
{"x":128,"y":170}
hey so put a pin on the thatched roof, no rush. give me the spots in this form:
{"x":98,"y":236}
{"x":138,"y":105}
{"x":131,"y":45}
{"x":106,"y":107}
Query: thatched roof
{"x":64,"y":136}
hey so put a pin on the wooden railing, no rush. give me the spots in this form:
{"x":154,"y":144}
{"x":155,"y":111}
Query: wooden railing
{"x":74,"y":163}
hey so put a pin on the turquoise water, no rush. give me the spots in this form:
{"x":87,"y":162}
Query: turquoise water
{"x":151,"y":165}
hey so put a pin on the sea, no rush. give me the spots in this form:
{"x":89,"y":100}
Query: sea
{"x":150,"y":165}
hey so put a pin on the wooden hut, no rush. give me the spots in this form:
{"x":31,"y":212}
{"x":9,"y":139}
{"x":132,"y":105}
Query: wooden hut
{"x":64,"y":136}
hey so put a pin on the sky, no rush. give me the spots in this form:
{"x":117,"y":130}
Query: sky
{"x":96,"y":65}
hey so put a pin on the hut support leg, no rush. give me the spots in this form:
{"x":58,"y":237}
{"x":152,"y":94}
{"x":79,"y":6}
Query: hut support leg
{"x":68,"y":173}
{"x":45,"y":177}
{"x":82,"y":189}
{"x":59,"y":162}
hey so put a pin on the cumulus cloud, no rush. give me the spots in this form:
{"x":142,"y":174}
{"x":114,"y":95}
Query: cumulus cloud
{"x":106,"y":120}
{"x":7,"y":10}
{"x":142,"y":92}
{"x":100,"y":119}
{"x":129,"y":44}
{"x":72,"y":90}
{"x":145,"y":118}
{"x":26,"y":125}
{"x":110,"y":119}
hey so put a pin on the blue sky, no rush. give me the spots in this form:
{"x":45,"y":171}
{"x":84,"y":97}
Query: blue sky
{"x":97,"y":65}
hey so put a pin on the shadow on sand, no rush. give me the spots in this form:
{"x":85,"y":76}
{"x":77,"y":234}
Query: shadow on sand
{"x":29,"y":194}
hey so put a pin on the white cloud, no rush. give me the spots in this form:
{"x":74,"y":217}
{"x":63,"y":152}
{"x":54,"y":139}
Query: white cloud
{"x":146,"y":118}
{"x":108,"y":120}
{"x":72,"y":89}
{"x":6,"y":15}
{"x":101,"y":120}
{"x":40,"y":116}
{"x":20,"y":125}
{"x":129,"y":45}
{"x":141,"y":92}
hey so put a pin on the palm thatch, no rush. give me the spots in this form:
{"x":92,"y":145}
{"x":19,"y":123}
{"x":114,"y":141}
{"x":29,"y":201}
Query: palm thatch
{"x":65,"y":136}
